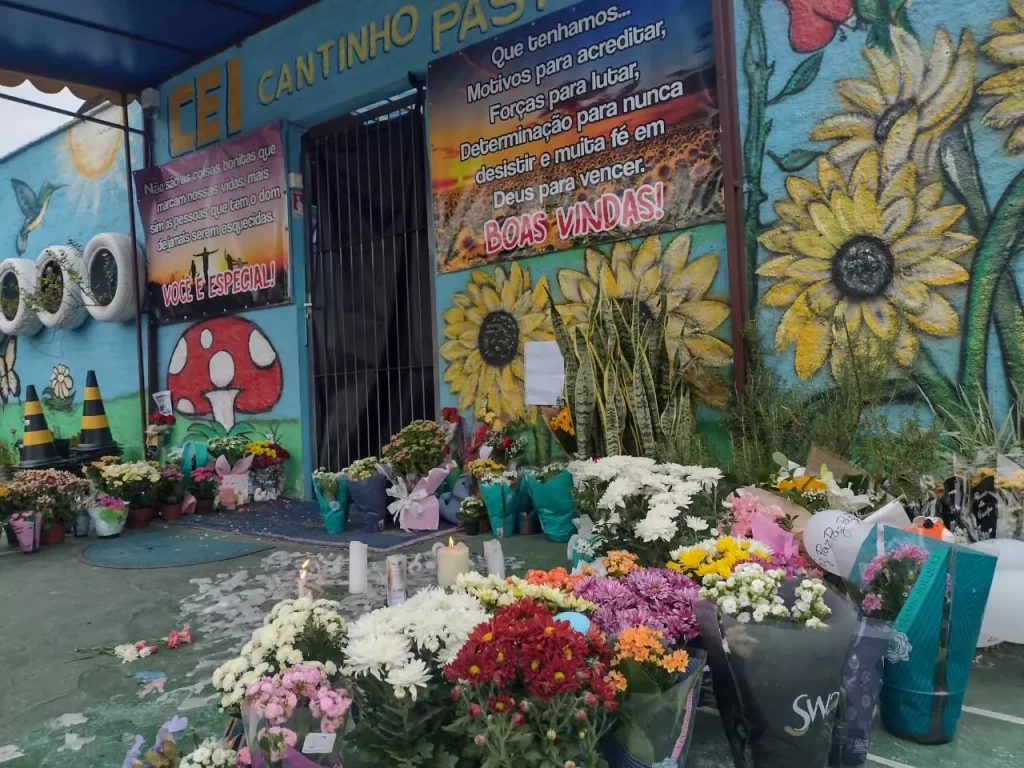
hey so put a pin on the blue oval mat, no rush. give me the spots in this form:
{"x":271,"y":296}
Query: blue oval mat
{"x":165,"y":549}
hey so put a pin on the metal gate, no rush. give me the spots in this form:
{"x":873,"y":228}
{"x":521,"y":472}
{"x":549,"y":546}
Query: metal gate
{"x":370,"y":307}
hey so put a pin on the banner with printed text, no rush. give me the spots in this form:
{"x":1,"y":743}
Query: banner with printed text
{"x":598,"y":122}
{"x":216,"y":227}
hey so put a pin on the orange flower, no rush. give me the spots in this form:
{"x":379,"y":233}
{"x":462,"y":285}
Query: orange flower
{"x":677,"y":661}
{"x":616,"y":681}
{"x":639,"y":644}
{"x":620,"y":563}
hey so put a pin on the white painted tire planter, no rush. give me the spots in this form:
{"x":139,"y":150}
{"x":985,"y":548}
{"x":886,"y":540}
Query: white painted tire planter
{"x":103,"y":248}
{"x":72,"y":311}
{"x":22,"y":272}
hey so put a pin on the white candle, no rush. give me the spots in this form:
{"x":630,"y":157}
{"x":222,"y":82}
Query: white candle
{"x":357,"y":567}
{"x":451,"y":561}
{"x":305,"y":588}
{"x":495,"y":558}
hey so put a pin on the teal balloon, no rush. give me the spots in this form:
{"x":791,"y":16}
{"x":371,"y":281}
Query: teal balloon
{"x":577,"y":621}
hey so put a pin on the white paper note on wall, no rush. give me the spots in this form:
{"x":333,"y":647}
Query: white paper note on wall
{"x":545,"y":372}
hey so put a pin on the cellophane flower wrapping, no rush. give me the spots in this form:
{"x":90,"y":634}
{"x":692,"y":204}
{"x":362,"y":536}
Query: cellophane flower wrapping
{"x":934,"y":635}
{"x":552,"y":498}
{"x":502,"y":504}
{"x":369,"y":500}
{"x":777,"y":683}
{"x":862,"y":686}
{"x":655,"y":727}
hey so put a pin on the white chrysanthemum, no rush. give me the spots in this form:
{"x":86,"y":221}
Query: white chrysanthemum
{"x":656,"y":527}
{"x":126,"y":653}
{"x":697,"y":524}
{"x":376,"y":654}
{"x":410,"y":677}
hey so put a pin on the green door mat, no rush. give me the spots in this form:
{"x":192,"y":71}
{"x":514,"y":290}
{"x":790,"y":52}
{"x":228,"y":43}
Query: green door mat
{"x":165,"y":549}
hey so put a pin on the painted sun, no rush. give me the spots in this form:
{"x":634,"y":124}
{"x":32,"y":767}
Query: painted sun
{"x":93,"y":166}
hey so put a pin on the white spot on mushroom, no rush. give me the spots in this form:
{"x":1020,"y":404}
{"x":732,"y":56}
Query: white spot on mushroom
{"x":206,"y":338}
{"x":222,"y":369}
{"x":178,"y":358}
{"x":261,"y":350}
{"x":186,"y":406}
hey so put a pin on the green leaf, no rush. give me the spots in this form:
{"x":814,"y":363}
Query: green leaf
{"x":780,"y":459}
{"x":795,"y":159}
{"x":879,"y":37}
{"x":801,"y":78}
{"x":869,"y":10}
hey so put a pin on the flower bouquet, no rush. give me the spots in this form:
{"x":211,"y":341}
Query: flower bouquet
{"x":204,"y":485}
{"x":367,"y":491}
{"x":171,"y":493}
{"x":776,"y":664}
{"x":268,"y":464}
{"x":235,"y":488}
{"x":415,"y":450}
{"x":495,"y":592}
{"x":28,"y":529}
{"x":657,"y":711}
{"x":331,"y":491}
{"x":56,"y":495}
{"x":108,"y":515}
{"x":231,"y":448}
{"x":137,"y":482}
{"x":393,"y":662}
{"x":417,"y":507}
{"x":303,"y":631}
{"x":644,"y":507}
{"x":470,"y":511}
{"x":293,"y":718}
{"x":935,"y":595}
{"x":210,"y":753}
{"x":550,"y":492}
{"x":532,"y":690}
{"x":501,"y":500}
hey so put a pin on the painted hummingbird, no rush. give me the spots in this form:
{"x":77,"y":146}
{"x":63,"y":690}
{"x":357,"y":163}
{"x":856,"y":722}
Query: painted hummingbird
{"x":33,"y":206}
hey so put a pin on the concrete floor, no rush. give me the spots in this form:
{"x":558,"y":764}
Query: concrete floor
{"x":57,"y":709}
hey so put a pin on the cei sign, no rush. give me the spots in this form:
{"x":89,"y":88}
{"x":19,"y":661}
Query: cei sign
{"x":217,"y":95}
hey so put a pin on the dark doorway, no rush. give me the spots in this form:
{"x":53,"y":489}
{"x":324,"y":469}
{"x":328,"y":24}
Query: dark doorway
{"x":369,"y":272}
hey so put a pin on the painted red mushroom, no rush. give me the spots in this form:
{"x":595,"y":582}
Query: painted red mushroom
{"x":224,"y":366}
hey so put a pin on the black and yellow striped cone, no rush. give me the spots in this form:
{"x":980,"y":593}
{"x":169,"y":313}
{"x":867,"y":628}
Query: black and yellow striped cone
{"x":37,"y":448}
{"x":95,"y":438}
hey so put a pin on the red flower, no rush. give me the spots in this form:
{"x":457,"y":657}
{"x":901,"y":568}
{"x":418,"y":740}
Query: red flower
{"x":501,"y":705}
{"x":813,"y":23}
{"x":474,"y":710}
{"x":451,"y":415}
{"x":506,"y":442}
{"x":518,"y":719}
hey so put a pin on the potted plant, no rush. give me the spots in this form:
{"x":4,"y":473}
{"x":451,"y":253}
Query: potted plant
{"x":367,"y":490}
{"x":204,"y":486}
{"x":55,"y":495}
{"x":171,"y":492}
{"x":137,"y":482}
{"x":268,"y":459}
{"x":108,"y":515}
{"x":8,"y":459}
{"x":471,"y":511}
{"x":231,"y":448}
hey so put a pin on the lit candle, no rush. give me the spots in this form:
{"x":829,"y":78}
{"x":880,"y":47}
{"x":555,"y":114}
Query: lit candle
{"x":357,"y":552}
{"x":451,"y":561}
{"x":305,"y":590}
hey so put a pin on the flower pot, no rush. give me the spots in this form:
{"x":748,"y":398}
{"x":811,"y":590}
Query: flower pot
{"x":82,"y":523}
{"x":107,"y":522}
{"x":53,"y":535}
{"x":204,"y":506}
{"x":485,"y":524}
{"x":528,"y":524}
{"x":139,"y":518}
{"x":170,"y":512}
{"x":28,"y":533}
{"x":471,"y":527}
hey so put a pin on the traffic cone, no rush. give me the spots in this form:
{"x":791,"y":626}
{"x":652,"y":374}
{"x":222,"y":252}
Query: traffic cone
{"x":95,"y":439}
{"x":37,"y":448}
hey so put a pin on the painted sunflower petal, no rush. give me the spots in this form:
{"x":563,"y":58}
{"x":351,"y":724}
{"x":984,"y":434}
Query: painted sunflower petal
{"x":531,"y":322}
{"x":624,"y":279}
{"x":908,"y":294}
{"x":822,"y":298}
{"x":609,"y":287}
{"x":646,"y":256}
{"x":929,"y":197}
{"x":813,"y":341}
{"x":802,"y":191}
{"x":622,"y":255}
{"x":939,"y":64}
{"x":1006,"y":49}
{"x":848,"y":314}
{"x":937,"y":272}
{"x":510,"y":292}
{"x":452,"y":350}
{"x":829,"y":177}
{"x":812,"y":244}
{"x":886,"y":73}
{"x":490,"y":298}
{"x":1009,"y":82}
{"x":540,"y":295}
{"x":455,"y":330}
{"x":776,"y":240}
{"x":868,"y":218}
{"x":826,"y":224}
{"x":594,"y":260}
{"x":793,"y":214}
{"x":903,"y":183}
{"x":673,"y":259}
{"x":648,"y":284}
{"x":846,"y":153}
{"x":938,"y":221}
{"x":467,"y":393}
{"x":899,"y":143}
{"x":849,"y":125}
{"x":956,"y":244}
{"x":473,"y":363}
{"x":1006,"y":111}
{"x":783,"y":294}
{"x":881,"y":318}
{"x":938,"y":318}
{"x":897,"y":218}
{"x":1009,"y":26}
{"x":454,"y":315}
{"x":865,"y":174}
{"x":809,"y":270}
{"x":569,"y":281}
{"x":846,"y":212}
{"x":862,"y":95}
{"x":909,"y":61}
{"x":481,"y":278}
{"x":914,"y":248}
{"x":705,"y":315}
{"x":906,"y":346}
{"x":1015,"y":142}
{"x":697,"y":277}
{"x":776,"y":267}
{"x":708,"y":350}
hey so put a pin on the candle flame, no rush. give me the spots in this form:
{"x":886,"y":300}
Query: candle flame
{"x":451,"y":542}
{"x":304,"y":568}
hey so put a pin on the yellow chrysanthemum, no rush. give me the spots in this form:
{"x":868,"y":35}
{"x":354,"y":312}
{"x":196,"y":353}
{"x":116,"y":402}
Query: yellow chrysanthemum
{"x":486,"y":329}
{"x":1007,"y":48}
{"x":936,"y":84}
{"x":655,"y":275}
{"x":863,"y":254}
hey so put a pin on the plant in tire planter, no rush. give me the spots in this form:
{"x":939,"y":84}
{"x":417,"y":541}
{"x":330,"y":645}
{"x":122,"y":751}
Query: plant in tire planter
{"x":171,"y":492}
{"x":470,"y":511}
{"x":108,"y":515}
{"x":657,"y":710}
{"x":204,"y":486}
{"x":776,"y":664}
{"x":136,"y":482}
{"x":56,"y":495}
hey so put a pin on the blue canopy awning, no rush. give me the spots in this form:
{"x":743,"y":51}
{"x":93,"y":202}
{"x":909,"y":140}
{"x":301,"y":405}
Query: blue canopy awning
{"x":104,"y":47}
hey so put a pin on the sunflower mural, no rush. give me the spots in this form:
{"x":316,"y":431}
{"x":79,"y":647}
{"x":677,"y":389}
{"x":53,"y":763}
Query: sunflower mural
{"x":660,"y":274}
{"x":485,"y":330}
{"x":892,"y":220}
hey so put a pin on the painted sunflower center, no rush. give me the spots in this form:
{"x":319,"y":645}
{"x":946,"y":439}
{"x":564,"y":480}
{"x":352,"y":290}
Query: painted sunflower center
{"x":499,"y":339}
{"x":862,"y":267}
{"x":889,"y":118}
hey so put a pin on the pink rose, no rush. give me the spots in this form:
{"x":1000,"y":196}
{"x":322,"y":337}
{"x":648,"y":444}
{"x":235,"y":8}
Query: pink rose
{"x":173,"y":639}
